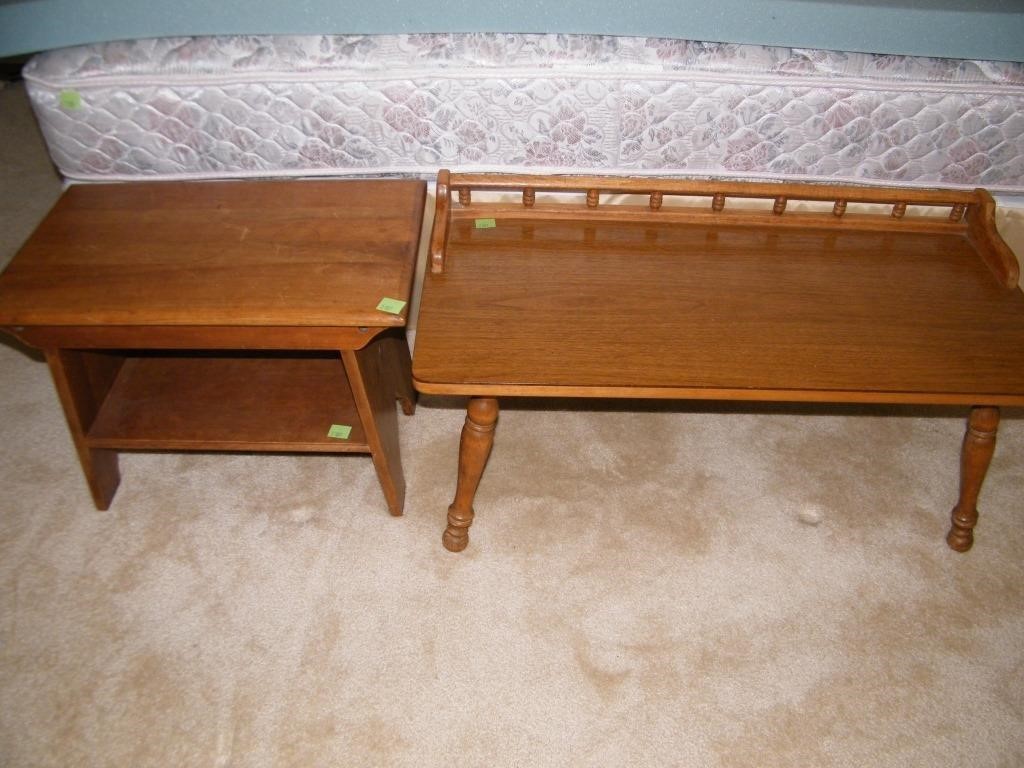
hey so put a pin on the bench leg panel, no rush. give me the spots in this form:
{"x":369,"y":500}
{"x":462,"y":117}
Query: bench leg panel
{"x":82,"y":380}
{"x":376,"y":405}
{"x":397,"y":362}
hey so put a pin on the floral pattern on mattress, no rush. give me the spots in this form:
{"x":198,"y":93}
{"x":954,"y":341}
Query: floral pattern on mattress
{"x":269,"y":106}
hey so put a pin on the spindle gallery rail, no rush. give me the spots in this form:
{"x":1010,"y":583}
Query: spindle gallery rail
{"x":718,"y":301}
{"x":968,"y":211}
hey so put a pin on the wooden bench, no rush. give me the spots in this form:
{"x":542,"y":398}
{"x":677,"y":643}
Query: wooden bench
{"x":234,"y":316}
{"x":780,"y":292}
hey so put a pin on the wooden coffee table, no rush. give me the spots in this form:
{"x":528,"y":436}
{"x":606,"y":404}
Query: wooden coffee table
{"x":578,"y":295}
{"x":237,"y":316}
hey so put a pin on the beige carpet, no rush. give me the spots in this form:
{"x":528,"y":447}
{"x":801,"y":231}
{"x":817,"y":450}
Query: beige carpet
{"x":674,"y":585}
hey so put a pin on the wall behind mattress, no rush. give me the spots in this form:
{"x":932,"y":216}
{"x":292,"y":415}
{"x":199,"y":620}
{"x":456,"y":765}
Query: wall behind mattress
{"x":969,"y":29}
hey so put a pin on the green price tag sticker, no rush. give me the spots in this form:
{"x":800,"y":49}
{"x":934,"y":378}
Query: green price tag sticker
{"x":339,"y":431}
{"x":391,"y":306}
{"x":70,"y":99}
{"x":485,"y":223}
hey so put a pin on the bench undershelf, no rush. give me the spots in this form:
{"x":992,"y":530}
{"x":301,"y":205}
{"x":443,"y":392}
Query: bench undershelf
{"x":265,"y":402}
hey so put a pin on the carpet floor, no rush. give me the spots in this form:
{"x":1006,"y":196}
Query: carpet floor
{"x":668,"y":584}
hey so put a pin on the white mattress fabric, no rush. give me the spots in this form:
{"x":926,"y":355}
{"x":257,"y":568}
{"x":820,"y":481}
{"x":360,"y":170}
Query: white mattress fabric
{"x":212,"y":107}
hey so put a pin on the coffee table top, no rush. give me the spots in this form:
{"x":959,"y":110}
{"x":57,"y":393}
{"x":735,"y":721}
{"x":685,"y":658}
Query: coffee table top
{"x":231,"y":253}
{"x":541,"y":304}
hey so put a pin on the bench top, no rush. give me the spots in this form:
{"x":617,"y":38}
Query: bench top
{"x":606,"y":304}
{"x":238,"y":253}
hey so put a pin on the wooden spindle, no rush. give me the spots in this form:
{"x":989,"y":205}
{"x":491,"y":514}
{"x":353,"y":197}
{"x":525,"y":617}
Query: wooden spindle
{"x":780,"y":206}
{"x":718,"y":202}
{"x":957,"y":212}
{"x":839,"y":208}
{"x":592,"y":198}
{"x":529,"y":197}
{"x":465,"y":198}
{"x":898,"y":210}
{"x":656,"y":200}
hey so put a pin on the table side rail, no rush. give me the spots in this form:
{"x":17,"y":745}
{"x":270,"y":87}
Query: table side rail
{"x":971,"y":213}
{"x":823,"y":396}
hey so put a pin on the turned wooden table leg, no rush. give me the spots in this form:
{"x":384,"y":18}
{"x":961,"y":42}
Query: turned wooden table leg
{"x":474,"y":448}
{"x":979,"y":444}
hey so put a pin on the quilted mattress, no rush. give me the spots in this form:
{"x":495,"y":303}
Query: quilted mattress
{"x":329,"y":105}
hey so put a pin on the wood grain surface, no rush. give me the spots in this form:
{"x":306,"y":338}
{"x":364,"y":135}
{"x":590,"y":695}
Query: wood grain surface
{"x":229,"y":402}
{"x":535,"y":306}
{"x":280,"y":253}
